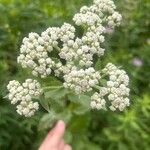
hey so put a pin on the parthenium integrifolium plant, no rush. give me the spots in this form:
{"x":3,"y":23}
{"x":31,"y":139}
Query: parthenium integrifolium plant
{"x":74,"y":63}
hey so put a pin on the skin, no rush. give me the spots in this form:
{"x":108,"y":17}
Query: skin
{"x":54,"y":139}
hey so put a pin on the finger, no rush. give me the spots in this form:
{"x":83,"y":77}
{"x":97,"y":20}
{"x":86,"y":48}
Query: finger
{"x":67,"y":147}
{"x":59,"y":123}
{"x":46,"y":142}
{"x":61,"y":145}
{"x":49,"y":141}
{"x":58,"y":132}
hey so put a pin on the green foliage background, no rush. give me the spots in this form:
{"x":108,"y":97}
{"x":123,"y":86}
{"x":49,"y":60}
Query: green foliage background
{"x":86,"y":130}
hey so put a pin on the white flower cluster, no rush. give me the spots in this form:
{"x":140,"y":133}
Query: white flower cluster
{"x":102,"y":6}
{"x":81,"y":80}
{"x":35,"y":51}
{"x":114,"y":20}
{"x":101,"y":12}
{"x":34,"y":55}
{"x":86,"y":18}
{"x":95,"y":19}
{"x":67,"y":33}
{"x":22,"y":94}
{"x":61,"y":70}
{"x":116,"y":89}
{"x":77,"y":54}
{"x":97,"y":102}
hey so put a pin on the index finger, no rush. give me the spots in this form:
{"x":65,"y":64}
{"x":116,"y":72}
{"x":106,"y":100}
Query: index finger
{"x":54,"y":136}
{"x":58,"y":132}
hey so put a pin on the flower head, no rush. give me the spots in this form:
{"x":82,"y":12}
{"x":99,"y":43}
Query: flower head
{"x":22,"y":94}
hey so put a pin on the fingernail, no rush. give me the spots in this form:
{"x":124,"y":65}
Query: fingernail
{"x":60,"y":123}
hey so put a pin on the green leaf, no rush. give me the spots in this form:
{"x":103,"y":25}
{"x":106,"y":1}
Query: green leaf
{"x":79,"y":124}
{"x":83,"y":102}
{"x":47,"y":120}
{"x":92,"y":146}
{"x":122,"y":146}
{"x":68,"y":137}
{"x":53,"y":81}
{"x":66,"y":116}
{"x":81,"y":110}
{"x":80,"y":99}
{"x":45,"y":103}
{"x":56,"y":93}
{"x":73,"y":97}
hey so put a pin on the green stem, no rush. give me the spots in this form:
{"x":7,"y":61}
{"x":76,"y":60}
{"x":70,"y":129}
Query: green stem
{"x":104,"y":75}
{"x":57,"y":48}
{"x":97,"y":87}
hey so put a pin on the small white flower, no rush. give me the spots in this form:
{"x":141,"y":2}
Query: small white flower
{"x":110,"y":83}
{"x":111,"y":97}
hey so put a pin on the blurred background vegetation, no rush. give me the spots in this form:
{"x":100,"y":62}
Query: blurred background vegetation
{"x":129,"y":47}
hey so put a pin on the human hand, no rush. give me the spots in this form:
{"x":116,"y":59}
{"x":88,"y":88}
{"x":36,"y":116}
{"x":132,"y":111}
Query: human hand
{"x":54,"y":139}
